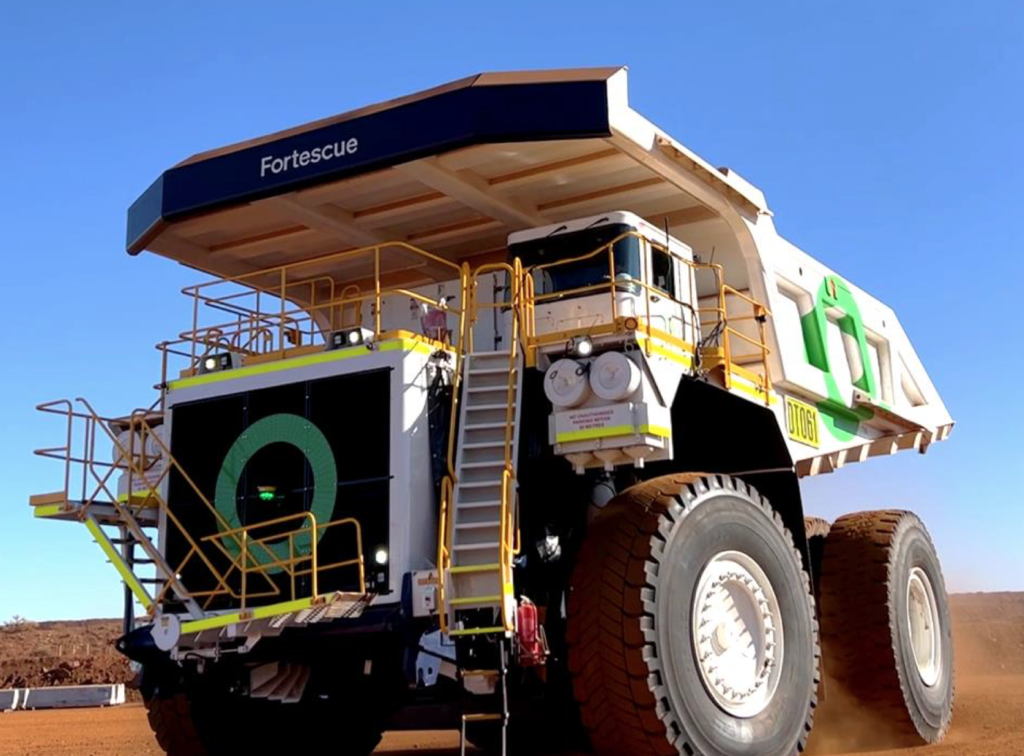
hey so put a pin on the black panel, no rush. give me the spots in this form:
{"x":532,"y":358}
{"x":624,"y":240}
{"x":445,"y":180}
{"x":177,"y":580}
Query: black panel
{"x":428,"y":126}
{"x":352,"y":412}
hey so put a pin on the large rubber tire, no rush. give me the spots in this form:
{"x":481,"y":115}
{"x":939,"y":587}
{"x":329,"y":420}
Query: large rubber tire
{"x":631,"y":627}
{"x":205,"y":725}
{"x":816,"y":530}
{"x":869,"y":561}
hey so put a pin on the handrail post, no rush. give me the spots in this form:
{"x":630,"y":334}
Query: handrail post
{"x":280,"y":321}
{"x":315,"y":566}
{"x":195,"y":327}
{"x":291,"y":560}
{"x":376,"y":289}
{"x":245,"y":564}
{"x":646,"y":279}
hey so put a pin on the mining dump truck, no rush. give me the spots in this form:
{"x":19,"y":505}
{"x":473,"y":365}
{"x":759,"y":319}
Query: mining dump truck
{"x":489,"y":413}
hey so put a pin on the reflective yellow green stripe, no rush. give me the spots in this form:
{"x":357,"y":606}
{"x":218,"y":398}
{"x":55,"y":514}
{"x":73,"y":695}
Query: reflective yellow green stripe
{"x":656,"y":430}
{"x":48,"y":511}
{"x":115,"y":559}
{"x":260,"y":612}
{"x":591,"y":433}
{"x":391,"y":345}
{"x":676,"y":354}
{"x":612,"y":430}
{"x":753,"y":391}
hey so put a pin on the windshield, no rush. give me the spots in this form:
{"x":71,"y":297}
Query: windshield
{"x":581,"y":273}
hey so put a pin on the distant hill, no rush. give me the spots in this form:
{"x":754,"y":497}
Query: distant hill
{"x":35,"y":654}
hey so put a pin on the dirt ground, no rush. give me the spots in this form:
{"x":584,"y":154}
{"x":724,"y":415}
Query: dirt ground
{"x":989,"y":632}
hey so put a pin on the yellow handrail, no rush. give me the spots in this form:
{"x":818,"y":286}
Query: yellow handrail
{"x":289,"y":565}
{"x":134,"y":464}
{"x":300,"y":315}
{"x":643,"y":324}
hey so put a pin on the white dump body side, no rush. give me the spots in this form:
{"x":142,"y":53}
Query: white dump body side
{"x":905,"y":409}
{"x":891,"y":383}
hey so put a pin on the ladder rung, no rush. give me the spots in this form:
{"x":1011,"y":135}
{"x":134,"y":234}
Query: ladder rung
{"x":485,"y":407}
{"x":488,"y":371}
{"x":488,"y":389}
{"x":485,"y":426}
{"x":479,"y":484}
{"x":485,"y":445}
{"x":477,"y":504}
{"x":474,"y":600}
{"x":467,"y":568}
{"x":482,"y":717}
{"x":477,"y":631}
{"x":478,"y":525}
{"x":477,"y":465}
{"x":491,"y":354}
{"x":481,"y":672}
{"x":475,"y":546}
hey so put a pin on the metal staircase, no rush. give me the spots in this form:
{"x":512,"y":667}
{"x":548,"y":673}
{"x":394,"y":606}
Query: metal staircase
{"x":99,"y":506}
{"x":479,"y":522}
{"x":478,"y":532}
{"x":483,"y":501}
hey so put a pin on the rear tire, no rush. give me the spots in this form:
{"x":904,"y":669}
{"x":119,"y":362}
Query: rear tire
{"x":886,"y":631}
{"x":658,"y":561}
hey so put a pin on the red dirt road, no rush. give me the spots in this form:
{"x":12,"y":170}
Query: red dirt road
{"x":987,"y":723}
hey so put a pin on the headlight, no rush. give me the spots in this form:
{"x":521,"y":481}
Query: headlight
{"x":350,"y":337}
{"x":211,"y":363}
{"x":581,"y":346}
{"x":381,"y":557}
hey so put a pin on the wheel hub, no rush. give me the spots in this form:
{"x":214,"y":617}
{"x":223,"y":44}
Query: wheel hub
{"x":923,"y":623}
{"x":737,"y":634}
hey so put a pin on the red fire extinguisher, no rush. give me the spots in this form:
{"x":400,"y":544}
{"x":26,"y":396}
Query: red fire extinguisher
{"x":533,"y":649}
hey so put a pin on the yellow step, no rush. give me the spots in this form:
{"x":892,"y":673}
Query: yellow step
{"x":44,"y":500}
{"x":475,"y":600}
{"x":474,"y":568}
{"x":477,"y":631}
{"x":481,"y":717}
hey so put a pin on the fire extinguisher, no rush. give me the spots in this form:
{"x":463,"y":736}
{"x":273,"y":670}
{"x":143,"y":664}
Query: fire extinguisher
{"x":533,"y":647}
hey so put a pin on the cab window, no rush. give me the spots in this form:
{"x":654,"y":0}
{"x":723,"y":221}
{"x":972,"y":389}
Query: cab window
{"x":662,"y":274}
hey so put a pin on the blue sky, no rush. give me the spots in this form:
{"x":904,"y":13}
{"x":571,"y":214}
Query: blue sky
{"x":887,"y":137}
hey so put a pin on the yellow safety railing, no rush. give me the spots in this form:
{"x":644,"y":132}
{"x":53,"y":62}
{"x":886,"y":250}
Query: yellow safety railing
{"x":722,"y":327}
{"x":278,"y":311}
{"x":509,"y":542}
{"x":723,"y":356}
{"x":143,"y":492}
{"x":251,"y":546}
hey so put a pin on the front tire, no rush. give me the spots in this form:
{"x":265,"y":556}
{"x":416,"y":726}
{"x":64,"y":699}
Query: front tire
{"x":660,"y":663}
{"x":886,"y":629}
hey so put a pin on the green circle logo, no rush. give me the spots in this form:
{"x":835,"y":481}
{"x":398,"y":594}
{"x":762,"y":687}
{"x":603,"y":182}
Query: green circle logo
{"x":307,"y":438}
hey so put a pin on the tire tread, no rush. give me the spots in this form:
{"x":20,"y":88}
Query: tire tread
{"x":619,"y":696}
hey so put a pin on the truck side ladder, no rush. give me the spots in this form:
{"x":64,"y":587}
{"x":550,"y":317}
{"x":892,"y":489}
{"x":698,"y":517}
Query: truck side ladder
{"x":478,"y":520}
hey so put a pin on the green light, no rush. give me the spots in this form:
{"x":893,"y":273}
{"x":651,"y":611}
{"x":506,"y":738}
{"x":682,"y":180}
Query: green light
{"x":266,"y":495}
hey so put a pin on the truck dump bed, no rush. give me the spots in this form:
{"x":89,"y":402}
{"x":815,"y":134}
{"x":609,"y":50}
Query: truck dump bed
{"x":454,"y":170}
